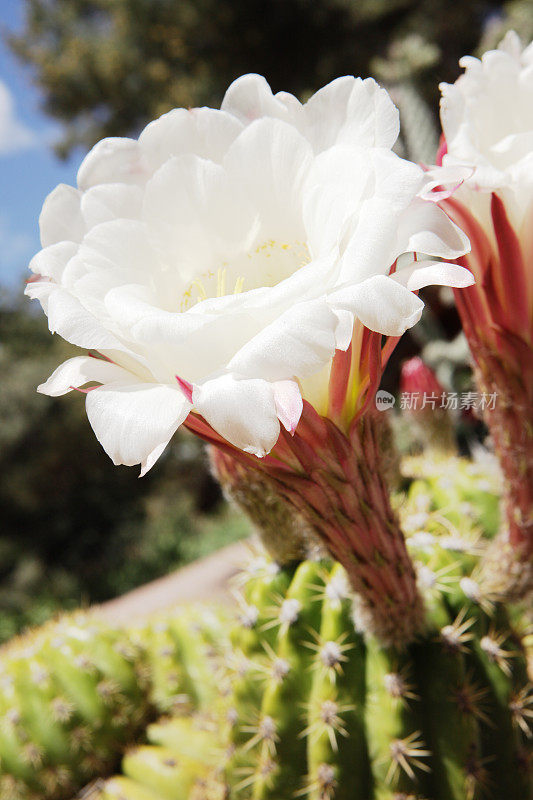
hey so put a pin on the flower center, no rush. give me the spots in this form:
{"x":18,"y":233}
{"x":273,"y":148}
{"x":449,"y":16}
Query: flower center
{"x":264,"y":265}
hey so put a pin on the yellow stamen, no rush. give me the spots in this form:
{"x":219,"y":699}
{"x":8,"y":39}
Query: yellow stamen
{"x":221,"y":282}
{"x":239,"y":285}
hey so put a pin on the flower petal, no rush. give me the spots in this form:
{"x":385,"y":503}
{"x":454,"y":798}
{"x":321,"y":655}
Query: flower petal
{"x":289,"y":404}
{"x":198,"y":214}
{"x":80,"y":370}
{"x":109,"y":201}
{"x":250,"y":97}
{"x":242,"y":411}
{"x":383,"y":305}
{"x":68,"y":318}
{"x":112,"y":160}
{"x":298,"y":343}
{"x":270,"y":160}
{"x":378,"y":127}
{"x":425,"y":228}
{"x":60,"y":218}
{"x":204,"y":132}
{"x":131,"y":420}
{"x":52,"y":260}
{"x":433,"y":273}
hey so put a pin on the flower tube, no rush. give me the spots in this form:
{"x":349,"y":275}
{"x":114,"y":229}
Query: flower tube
{"x":234,"y":271}
{"x":487,"y":121}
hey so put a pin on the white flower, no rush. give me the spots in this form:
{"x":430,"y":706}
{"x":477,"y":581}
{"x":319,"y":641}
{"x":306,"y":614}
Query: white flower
{"x":218,"y":262}
{"x":487,"y":120}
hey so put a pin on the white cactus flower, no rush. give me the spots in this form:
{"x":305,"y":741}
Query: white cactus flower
{"x":487,"y":120}
{"x":216,"y":263}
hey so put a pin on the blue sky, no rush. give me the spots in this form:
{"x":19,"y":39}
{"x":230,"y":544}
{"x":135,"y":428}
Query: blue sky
{"x":29,"y":170}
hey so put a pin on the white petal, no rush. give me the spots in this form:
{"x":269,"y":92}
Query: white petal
{"x":52,"y":260}
{"x":122,"y":248}
{"x":433,"y":273}
{"x":425,"y":228}
{"x":112,"y":160}
{"x":198,"y":215}
{"x":270,"y":160}
{"x":298,"y":343}
{"x":344,"y":329}
{"x":289,"y":404}
{"x":372,"y":119}
{"x":372,"y":247}
{"x":339,"y":181}
{"x":449,"y":178}
{"x":109,"y":201}
{"x":68,"y":318}
{"x":151,"y":458}
{"x":78,"y":371}
{"x":131,"y":420}
{"x":204,"y":132}
{"x":242,"y":411}
{"x":40,"y":290}
{"x":250,"y":97}
{"x":383,"y":305}
{"x":325,"y":113}
{"x":60,"y":218}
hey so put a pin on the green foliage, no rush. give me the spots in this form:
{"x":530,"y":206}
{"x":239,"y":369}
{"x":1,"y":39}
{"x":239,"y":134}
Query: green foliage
{"x":106,"y":67}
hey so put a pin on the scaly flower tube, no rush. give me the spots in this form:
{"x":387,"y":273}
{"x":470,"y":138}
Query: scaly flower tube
{"x":487,"y":121}
{"x":233,"y":267}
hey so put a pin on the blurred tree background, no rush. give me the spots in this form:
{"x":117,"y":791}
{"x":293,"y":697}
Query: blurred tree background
{"x":74,"y":528}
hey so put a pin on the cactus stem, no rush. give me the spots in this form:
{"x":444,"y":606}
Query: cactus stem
{"x":323,"y":785}
{"x":338,"y":485}
{"x":330,"y":655}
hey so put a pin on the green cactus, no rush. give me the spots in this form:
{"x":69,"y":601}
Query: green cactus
{"x":181,"y":762}
{"x":461,"y":489}
{"x":313,"y":707}
{"x":76,"y":692}
{"x":71,"y":696}
{"x":293,"y":698}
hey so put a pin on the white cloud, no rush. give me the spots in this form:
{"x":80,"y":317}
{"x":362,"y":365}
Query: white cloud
{"x":14,"y":135}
